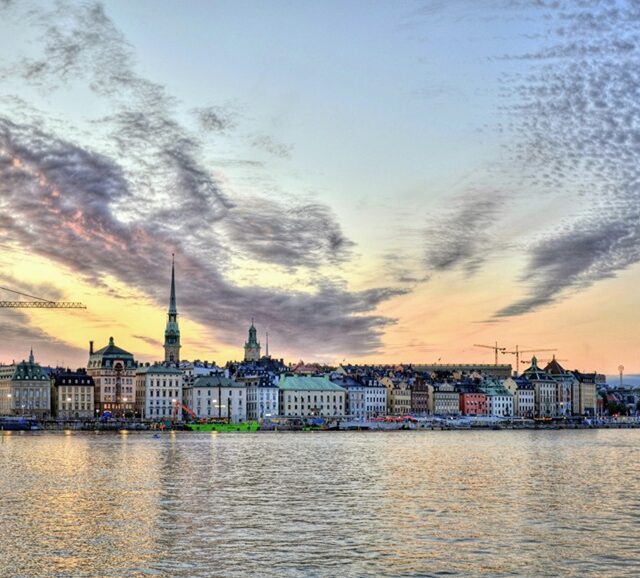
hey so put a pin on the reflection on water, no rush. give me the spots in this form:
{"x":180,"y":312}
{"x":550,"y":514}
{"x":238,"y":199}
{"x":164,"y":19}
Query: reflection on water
{"x":321,"y":504}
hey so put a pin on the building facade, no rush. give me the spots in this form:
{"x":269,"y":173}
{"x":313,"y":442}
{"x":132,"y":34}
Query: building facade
{"x":159,"y":392}
{"x":524,"y":396}
{"x":356,"y":396}
{"x":545,"y":388}
{"x":262,"y":399}
{"x":375,"y":397}
{"x":472,"y":400}
{"x":444,"y":399}
{"x":113,"y":370}
{"x":419,"y":397}
{"x":499,"y":399}
{"x":305,"y":396}
{"x":72,"y":395}
{"x":216,"y":397}
{"x":25,"y":389}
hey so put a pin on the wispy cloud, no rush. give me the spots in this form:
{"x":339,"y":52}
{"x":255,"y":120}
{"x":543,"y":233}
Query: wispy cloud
{"x":131,"y":198}
{"x":460,"y":237}
{"x":578,"y":115}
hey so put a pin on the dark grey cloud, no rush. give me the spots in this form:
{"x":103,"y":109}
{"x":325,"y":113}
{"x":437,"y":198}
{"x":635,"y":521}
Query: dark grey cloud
{"x":149,"y":192}
{"x":462,"y":236}
{"x":579,"y":117}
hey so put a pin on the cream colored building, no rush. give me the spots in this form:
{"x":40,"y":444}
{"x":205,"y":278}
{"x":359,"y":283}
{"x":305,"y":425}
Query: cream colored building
{"x":113,"y":370}
{"x":72,"y":395}
{"x":303,"y":396}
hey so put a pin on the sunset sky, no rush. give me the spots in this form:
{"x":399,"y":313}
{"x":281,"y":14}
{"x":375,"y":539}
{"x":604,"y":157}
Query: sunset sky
{"x":371,"y":181}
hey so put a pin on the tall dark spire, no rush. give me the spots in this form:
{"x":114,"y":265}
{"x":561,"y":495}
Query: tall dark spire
{"x":172,"y":331}
{"x":173,"y":309}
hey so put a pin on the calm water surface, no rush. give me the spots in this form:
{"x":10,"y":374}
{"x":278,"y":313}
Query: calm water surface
{"x":339,"y":504}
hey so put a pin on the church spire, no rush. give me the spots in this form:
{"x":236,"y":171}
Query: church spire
{"x":172,"y":331}
{"x":173,"y":309}
{"x":31,"y":357}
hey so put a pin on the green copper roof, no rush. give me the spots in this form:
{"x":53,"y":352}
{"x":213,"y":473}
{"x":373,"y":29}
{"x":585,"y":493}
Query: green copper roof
{"x":28,"y":370}
{"x":307,"y":383}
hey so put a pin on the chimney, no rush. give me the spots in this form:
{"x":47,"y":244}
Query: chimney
{"x":90,"y":347}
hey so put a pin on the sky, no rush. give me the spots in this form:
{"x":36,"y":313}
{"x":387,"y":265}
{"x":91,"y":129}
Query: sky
{"x":370,"y":181}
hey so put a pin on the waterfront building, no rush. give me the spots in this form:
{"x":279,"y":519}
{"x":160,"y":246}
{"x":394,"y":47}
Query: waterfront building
{"x":524,"y":396}
{"x":419,"y":397}
{"x":252,"y":345}
{"x":499,"y":398}
{"x":113,"y":370}
{"x":443,"y":399}
{"x":398,"y":396}
{"x":172,"y":331}
{"x":303,"y":396}
{"x":545,"y":388}
{"x":356,"y":396}
{"x":72,"y":394}
{"x":159,"y":392}
{"x":584,"y":396}
{"x":216,"y":396}
{"x":565,"y":380}
{"x":375,"y":397}
{"x":473,"y":401}
{"x":25,"y":389}
{"x":262,"y":398}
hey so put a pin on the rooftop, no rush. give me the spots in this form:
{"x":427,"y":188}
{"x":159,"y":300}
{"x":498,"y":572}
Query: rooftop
{"x":308,"y":383}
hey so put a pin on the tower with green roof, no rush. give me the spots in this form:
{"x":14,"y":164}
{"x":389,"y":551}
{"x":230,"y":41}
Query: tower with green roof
{"x":172,"y":331}
{"x":252,"y":346}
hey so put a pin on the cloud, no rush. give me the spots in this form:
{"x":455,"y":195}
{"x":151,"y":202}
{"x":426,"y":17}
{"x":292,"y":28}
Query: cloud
{"x":460,"y":237}
{"x":266,"y":143}
{"x":121,"y":203}
{"x":578,"y":115}
{"x":213,"y":118}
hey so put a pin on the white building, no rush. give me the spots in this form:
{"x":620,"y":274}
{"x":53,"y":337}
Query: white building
{"x":218,"y":397}
{"x":499,"y":399}
{"x":375,"y":398}
{"x":262,"y":399}
{"x":159,"y":392}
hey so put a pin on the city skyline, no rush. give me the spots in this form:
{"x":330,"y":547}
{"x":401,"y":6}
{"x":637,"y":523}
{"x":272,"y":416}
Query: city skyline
{"x":452,"y":174}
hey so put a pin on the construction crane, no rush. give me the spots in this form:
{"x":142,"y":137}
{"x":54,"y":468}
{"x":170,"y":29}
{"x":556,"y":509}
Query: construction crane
{"x":518,"y":351}
{"x":38,"y":303}
{"x":495,"y":348}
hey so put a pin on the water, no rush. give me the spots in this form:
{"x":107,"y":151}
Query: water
{"x":552,"y":503}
